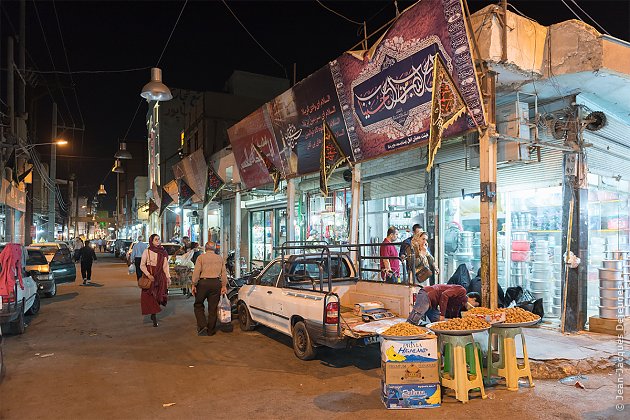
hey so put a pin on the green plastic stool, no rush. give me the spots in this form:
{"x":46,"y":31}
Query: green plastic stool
{"x":507,"y":366}
{"x":460,"y":367}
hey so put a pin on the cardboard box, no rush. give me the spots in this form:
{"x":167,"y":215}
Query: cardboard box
{"x":409,"y":350}
{"x":410,"y":373}
{"x":398,"y":396}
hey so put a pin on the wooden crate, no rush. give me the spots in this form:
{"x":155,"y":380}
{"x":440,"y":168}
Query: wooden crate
{"x":609,"y":326}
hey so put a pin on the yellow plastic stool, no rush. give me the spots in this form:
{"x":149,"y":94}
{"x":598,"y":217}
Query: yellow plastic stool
{"x":454,"y":373}
{"x":507,"y":366}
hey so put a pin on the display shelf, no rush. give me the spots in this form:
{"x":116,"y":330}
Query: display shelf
{"x":544,"y":231}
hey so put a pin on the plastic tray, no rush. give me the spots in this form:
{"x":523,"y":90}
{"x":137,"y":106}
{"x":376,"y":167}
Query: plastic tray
{"x":517,"y":324}
{"x":455,"y":332}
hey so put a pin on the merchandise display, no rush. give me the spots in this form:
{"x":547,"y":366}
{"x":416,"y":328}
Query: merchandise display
{"x":614,"y":285}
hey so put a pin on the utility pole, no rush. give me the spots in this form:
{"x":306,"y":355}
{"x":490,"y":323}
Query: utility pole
{"x":488,"y":187}
{"x":53,"y":176}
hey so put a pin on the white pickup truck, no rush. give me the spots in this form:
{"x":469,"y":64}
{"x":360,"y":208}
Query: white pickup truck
{"x":311,"y":298}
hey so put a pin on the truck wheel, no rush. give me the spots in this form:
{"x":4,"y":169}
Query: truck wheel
{"x":244,"y":318}
{"x":302,"y":344}
{"x":53,"y":290}
{"x":34,"y":309}
{"x":17,"y":326}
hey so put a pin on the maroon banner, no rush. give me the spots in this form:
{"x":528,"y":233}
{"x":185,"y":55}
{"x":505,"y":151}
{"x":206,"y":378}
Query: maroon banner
{"x":388,"y":88}
{"x":253,"y":130}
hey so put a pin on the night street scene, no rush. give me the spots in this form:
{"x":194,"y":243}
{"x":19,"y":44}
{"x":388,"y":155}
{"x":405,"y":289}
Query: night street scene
{"x":317,"y":209}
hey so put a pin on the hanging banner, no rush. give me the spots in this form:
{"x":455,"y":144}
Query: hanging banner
{"x":297,"y":118}
{"x":171,"y":189}
{"x":152,"y":206}
{"x":331,"y":157}
{"x":273,"y":172}
{"x":192,"y":169}
{"x":166,"y":199}
{"x":214,"y":184}
{"x":185,"y":193}
{"x":253,"y":130}
{"x":388,"y":88}
{"x":447,"y":106}
{"x":156,"y":195}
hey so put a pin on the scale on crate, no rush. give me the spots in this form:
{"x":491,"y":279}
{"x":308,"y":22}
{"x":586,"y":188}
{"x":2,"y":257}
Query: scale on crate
{"x":372,"y":311}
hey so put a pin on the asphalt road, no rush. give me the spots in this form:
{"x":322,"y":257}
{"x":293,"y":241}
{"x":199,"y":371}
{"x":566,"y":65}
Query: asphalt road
{"x":90,"y":354}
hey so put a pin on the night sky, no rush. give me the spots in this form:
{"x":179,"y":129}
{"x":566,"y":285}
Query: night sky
{"x":206,"y":46}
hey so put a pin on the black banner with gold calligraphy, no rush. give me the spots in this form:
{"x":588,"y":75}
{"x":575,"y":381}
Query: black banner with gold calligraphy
{"x":274,"y":173}
{"x":214,"y":184}
{"x":330,"y":158}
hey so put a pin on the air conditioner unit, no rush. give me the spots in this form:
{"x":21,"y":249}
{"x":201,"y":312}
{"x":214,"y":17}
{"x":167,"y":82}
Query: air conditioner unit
{"x":513,"y":120}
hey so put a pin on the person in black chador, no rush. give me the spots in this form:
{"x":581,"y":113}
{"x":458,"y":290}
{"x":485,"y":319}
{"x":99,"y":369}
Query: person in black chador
{"x":87,"y":256}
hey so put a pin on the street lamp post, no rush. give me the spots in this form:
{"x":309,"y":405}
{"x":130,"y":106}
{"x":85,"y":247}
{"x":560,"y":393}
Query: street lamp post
{"x":53,"y":176}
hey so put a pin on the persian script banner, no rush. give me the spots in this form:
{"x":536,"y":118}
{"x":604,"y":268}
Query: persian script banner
{"x":297,"y":117}
{"x":251,"y":130}
{"x":389,"y":91}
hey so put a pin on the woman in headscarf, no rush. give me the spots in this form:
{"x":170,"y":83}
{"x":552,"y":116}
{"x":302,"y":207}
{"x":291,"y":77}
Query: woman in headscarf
{"x":420,"y":245}
{"x":154,"y":264}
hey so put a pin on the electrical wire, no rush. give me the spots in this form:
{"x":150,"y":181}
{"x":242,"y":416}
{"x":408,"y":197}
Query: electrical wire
{"x":173,"y":30}
{"x":52,"y":60}
{"x":338,"y":14}
{"x":70,"y":73}
{"x":255,"y":40}
{"x":65,"y":53}
{"x":589,"y":16}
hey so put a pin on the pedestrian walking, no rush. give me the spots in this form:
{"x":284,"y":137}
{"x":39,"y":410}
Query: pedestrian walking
{"x":87,"y":256}
{"x":154,"y":264}
{"x":136,"y":255}
{"x":209,"y":282}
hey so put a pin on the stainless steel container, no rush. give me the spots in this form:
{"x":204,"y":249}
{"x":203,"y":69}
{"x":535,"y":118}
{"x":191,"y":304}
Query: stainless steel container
{"x":611,"y":284}
{"x":609,"y":313}
{"x":618,"y":255}
{"x":609,"y":274}
{"x":539,"y":286}
{"x":610,"y":293}
{"x":613,"y":264}
{"x":557,"y":300}
{"x":519,"y":236}
{"x":611,"y":303}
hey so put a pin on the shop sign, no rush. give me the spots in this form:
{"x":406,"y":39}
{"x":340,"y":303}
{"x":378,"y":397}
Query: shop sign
{"x":376,"y":101}
{"x":389,"y":87}
{"x":13,"y":196}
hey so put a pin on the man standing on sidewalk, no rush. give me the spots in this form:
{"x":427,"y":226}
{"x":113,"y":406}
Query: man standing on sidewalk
{"x":87,"y":256}
{"x":136,"y":255}
{"x":209,"y":281}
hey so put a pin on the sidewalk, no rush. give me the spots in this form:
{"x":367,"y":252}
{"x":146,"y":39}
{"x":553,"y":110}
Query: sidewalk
{"x":553,"y":354}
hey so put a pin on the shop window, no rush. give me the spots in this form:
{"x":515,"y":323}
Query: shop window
{"x":328,"y":217}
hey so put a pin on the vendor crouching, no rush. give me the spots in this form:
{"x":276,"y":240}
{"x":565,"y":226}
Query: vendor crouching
{"x":441,"y":301}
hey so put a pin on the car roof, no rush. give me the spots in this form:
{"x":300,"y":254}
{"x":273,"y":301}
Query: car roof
{"x":38,"y":244}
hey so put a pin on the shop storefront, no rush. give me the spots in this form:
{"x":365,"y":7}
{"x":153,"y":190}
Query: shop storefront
{"x":329,"y":217}
{"x":192,"y":225}
{"x":268,"y":230}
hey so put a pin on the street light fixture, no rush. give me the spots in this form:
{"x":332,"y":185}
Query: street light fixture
{"x":101,"y":190}
{"x":117,"y":168}
{"x":155,"y":90}
{"x":122,"y":152}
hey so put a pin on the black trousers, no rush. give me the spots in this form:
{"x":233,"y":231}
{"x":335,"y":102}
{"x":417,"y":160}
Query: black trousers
{"x":207,"y":289}
{"x":136,"y":262}
{"x":86,"y":270}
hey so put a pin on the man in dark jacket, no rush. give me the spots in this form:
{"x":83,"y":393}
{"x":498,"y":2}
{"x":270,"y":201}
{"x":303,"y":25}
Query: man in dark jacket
{"x":87,"y":256}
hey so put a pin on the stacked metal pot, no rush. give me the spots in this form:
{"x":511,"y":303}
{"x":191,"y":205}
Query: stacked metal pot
{"x":614,"y":285}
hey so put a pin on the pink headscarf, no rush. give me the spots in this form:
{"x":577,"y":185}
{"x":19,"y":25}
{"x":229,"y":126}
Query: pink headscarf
{"x":11,"y":263}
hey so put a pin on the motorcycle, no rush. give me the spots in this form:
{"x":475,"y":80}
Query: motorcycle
{"x":234,"y":284}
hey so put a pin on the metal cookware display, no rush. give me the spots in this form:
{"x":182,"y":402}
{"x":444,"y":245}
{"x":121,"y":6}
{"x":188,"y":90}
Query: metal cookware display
{"x":613,"y":264}
{"x":609,"y":274}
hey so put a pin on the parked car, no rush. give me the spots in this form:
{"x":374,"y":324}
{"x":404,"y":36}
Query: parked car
{"x":59,"y":260}
{"x":109,"y":245}
{"x":2,"y":368}
{"x":18,"y":302}
{"x":38,"y":267}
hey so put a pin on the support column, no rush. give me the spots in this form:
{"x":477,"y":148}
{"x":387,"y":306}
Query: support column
{"x":575,"y":236}
{"x":204,"y":235}
{"x":237,"y":232}
{"x":488,"y":208}
{"x":354,"y":210}
{"x":291,"y":209}
{"x":431,"y":225}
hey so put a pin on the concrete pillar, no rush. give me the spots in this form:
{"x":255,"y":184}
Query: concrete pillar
{"x":237,"y":233}
{"x":204,"y":233}
{"x":290,"y":210}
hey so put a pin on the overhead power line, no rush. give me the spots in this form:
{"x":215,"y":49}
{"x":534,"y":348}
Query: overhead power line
{"x":172,"y":30}
{"x":339,"y":14}
{"x":578,"y":16}
{"x":255,"y":40}
{"x":75,"y":72}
